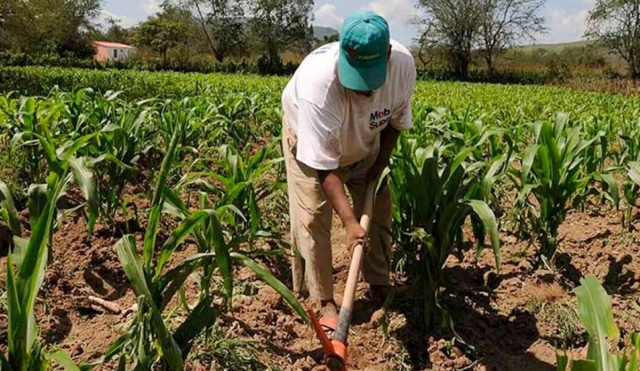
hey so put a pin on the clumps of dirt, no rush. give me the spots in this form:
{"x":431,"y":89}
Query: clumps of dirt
{"x":511,"y":320}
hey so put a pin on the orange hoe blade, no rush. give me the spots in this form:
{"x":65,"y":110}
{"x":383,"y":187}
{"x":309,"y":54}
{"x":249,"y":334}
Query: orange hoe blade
{"x":335,"y":349}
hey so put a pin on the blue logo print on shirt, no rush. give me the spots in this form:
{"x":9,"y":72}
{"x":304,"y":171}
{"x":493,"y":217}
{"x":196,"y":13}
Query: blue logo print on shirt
{"x":379,"y":118}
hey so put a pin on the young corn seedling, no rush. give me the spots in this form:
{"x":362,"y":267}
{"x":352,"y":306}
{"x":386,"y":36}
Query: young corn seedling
{"x":594,"y":310}
{"x":429,"y":219}
{"x":24,"y":147}
{"x":628,"y":159}
{"x":65,"y":167}
{"x":26,"y":264}
{"x":631,"y":189}
{"x":239,"y":181}
{"x":119,"y":149}
{"x":553,"y":178}
{"x":149,"y":341}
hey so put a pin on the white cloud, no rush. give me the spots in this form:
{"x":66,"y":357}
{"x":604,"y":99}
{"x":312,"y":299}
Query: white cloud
{"x":566,"y":26}
{"x":396,"y":12}
{"x":327,"y":16}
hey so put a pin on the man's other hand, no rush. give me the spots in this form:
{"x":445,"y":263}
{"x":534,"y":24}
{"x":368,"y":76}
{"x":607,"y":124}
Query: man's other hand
{"x":355,"y":235}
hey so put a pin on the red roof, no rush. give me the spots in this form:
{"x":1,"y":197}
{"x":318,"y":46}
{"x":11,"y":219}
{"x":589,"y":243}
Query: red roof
{"x":109,"y":44}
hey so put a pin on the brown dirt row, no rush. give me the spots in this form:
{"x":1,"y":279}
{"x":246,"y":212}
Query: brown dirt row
{"x":514,"y":320}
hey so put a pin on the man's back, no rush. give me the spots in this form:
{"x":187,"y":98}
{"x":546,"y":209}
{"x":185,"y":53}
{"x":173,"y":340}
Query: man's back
{"x":315,"y":97}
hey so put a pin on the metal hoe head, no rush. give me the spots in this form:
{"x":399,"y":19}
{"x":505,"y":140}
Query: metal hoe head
{"x":335,"y":352}
{"x":335,"y":349}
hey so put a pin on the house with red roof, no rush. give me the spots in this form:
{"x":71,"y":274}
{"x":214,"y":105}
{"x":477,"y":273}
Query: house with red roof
{"x":106,"y":51}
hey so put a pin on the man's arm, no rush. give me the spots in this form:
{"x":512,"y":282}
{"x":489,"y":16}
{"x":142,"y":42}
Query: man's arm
{"x":334,"y":190}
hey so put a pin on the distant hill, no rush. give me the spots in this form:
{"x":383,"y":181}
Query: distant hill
{"x":320,"y":32}
{"x":553,"y":47}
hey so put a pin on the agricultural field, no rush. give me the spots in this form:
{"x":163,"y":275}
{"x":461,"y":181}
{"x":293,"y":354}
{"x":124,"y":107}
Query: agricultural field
{"x":144,"y":225}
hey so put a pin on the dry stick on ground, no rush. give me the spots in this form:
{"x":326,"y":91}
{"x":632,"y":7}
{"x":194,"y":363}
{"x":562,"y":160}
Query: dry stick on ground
{"x":101,"y":303}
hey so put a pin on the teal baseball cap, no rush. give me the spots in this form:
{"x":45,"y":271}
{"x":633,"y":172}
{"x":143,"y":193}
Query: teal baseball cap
{"x":364,"y":44}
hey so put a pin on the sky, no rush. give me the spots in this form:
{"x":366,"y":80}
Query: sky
{"x":566,"y":19}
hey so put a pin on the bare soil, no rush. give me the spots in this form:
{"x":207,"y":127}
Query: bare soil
{"x":513,"y":320}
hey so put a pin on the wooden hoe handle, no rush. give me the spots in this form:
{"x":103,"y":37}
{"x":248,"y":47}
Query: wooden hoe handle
{"x":335,"y":349}
{"x":338,"y":359}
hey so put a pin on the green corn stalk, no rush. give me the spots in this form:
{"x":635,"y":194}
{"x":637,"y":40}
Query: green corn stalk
{"x":235,"y":116}
{"x":119,"y":148}
{"x":61,"y":160}
{"x":594,"y":310}
{"x":429,"y":219}
{"x":24,"y":146}
{"x":239,"y":181}
{"x":25,"y":273}
{"x":631,"y":190}
{"x":155,"y":287}
{"x":8,"y":211}
{"x":628,"y":157}
{"x":628,"y":142}
{"x":553,"y":173}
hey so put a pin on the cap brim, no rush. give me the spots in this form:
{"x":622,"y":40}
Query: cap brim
{"x":362,"y":79}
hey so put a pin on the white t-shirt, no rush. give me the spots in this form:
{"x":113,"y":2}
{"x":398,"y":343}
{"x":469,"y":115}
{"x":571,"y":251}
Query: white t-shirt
{"x":336,"y":127}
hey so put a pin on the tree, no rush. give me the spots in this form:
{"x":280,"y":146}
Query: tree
{"x":223,"y":24}
{"x":48,"y":26}
{"x":77,"y":23}
{"x":280,"y":25}
{"x":451,"y":25}
{"x":616,"y":24}
{"x":504,"y":23}
{"x":159,"y":34}
{"x":116,"y":33}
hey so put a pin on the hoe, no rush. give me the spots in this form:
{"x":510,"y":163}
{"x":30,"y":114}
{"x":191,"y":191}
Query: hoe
{"x":335,"y":349}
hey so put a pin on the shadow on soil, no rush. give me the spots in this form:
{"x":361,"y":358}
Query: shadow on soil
{"x":498,"y":341}
{"x":618,"y":280}
{"x":58,"y":327}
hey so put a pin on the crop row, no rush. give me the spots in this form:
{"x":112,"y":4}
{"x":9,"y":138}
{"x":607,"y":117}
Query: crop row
{"x":497,"y":159}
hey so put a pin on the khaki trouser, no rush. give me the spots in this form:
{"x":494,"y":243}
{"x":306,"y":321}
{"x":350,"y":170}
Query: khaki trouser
{"x":311,"y":216}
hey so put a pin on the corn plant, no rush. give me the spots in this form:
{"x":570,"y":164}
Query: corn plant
{"x":148,"y":340}
{"x":25,"y":273}
{"x":28,"y":260}
{"x":594,"y":310}
{"x":553,"y":178}
{"x":631,"y":190}
{"x":119,"y":149}
{"x":628,"y":142}
{"x":429,"y":219}
{"x":24,"y":147}
{"x":8,"y":211}
{"x":628,"y":157}
{"x":597,"y":154}
{"x":236,"y":115}
{"x":238,"y":180}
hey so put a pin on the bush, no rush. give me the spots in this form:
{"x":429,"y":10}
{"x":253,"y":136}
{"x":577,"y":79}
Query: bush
{"x":504,"y":76}
{"x":50,"y":60}
{"x":613,"y":74}
{"x":202,"y":64}
{"x":558,"y":71}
